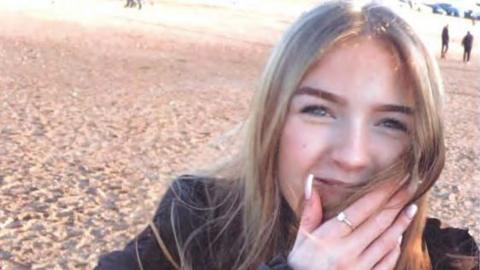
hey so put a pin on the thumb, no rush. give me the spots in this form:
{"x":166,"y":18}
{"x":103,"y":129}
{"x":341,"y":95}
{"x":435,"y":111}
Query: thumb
{"x":312,"y":209}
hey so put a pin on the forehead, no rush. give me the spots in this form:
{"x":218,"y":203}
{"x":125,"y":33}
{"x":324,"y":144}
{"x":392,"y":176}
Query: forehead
{"x":365,"y":50}
{"x":361,"y":66}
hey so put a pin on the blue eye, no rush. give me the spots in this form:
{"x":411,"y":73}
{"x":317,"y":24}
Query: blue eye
{"x":317,"y":110}
{"x":394,"y":124}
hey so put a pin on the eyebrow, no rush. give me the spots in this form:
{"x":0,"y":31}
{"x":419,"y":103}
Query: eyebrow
{"x":395,"y":108}
{"x":320,"y":93}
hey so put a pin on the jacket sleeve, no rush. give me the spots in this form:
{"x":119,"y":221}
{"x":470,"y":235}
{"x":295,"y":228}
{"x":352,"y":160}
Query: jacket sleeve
{"x":125,"y":259}
{"x":450,"y":248}
{"x":144,"y":252}
{"x":121,"y":260}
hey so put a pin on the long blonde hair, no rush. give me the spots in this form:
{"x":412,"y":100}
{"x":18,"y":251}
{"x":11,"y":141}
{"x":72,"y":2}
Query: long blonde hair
{"x":251,"y":177}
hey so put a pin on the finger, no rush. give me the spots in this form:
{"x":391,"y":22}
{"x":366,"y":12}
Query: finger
{"x":390,"y":261}
{"x":389,"y":239}
{"x":379,"y":222}
{"x":359,"y":211}
{"x":312,"y":209}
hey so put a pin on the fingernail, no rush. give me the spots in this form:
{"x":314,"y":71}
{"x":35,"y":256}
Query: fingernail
{"x":411,"y":210}
{"x":400,"y":239}
{"x":308,"y":187}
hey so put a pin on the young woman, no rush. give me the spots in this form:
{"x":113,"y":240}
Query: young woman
{"x":343,"y":142}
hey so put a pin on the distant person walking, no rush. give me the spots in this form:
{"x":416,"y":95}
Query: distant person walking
{"x":467,"y":43}
{"x":131,"y":4}
{"x":445,"y":40}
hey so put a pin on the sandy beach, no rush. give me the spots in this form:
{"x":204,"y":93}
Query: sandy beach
{"x":101,"y":106}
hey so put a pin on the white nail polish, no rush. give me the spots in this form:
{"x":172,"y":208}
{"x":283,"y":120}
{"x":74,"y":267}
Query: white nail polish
{"x":411,"y":210}
{"x":308,"y":187}
{"x":400,"y":238}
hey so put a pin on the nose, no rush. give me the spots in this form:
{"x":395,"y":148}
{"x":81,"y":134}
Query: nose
{"x":350,"y":151}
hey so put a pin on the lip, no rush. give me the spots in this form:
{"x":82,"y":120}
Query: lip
{"x":331,"y":182}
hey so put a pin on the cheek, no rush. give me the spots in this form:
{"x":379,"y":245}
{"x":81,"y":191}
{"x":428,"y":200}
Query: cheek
{"x":294,"y":146}
{"x":296,"y":156}
{"x":389,"y":147}
{"x":387,"y":150}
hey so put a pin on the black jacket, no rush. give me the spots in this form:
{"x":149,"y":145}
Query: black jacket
{"x":445,"y":36}
{"x":467,"y":41}
{"x":449,"y":248}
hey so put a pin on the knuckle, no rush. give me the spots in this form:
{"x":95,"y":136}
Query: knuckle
{"x":306,"y":220}
{"x":341,"y":263}
{"x":404,"y":221}
{"x":382,"y":221}
{"x":390,"y":264}
{"x":385,"y":243}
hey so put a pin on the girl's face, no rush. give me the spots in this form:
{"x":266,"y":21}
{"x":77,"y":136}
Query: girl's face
{"x":349,"y":119}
